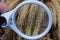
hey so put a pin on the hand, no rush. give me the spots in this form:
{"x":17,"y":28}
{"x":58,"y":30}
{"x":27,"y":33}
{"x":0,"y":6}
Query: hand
{"x":3,"y":7}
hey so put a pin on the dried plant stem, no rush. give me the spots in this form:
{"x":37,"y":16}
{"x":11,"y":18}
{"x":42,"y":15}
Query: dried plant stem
{"x":47,"y":37}
{"x":57,"y":6}
{"x":8,"y":2}
{"x":31,"y":18}
{"x":3,"y":0}
{"x":54,"y":13}
{"x":59,"y":0}
{"x":8,"y":35}
{"x":15,"y":3}
{"x":38,"y":21}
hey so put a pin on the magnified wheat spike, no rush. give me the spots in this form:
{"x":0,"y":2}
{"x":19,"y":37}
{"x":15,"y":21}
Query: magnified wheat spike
{"x":31,"y":17}
{"x":37,"y":25}
{"x":21,"y":18}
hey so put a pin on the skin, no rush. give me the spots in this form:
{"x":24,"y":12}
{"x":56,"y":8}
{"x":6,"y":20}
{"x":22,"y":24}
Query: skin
{"x":3,"y":7}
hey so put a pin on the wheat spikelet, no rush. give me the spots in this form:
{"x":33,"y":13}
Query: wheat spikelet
{"x":23,"y":14}
{"x":31,"y":17}
{"x":38,"y":21}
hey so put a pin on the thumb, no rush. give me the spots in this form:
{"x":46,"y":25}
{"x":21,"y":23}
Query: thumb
{"x":3,"y":7}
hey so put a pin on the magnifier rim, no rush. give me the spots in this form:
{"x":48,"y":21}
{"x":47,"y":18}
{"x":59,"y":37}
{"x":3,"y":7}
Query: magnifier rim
{"x":49,"y":22}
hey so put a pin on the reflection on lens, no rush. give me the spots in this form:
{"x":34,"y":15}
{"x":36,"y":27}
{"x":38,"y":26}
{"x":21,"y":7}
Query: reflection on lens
{"x":31,"y":19}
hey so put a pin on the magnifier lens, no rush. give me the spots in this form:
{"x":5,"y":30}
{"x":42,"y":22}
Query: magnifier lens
{"x":31,"y":19}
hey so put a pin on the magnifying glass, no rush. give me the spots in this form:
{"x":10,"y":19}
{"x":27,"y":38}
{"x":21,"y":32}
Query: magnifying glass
{"x":11,"y":21}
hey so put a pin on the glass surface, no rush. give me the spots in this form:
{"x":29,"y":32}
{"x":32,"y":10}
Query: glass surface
{"x":31,"y":19}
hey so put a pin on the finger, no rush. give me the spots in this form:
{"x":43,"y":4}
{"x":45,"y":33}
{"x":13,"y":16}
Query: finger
{"x":3,"y":7}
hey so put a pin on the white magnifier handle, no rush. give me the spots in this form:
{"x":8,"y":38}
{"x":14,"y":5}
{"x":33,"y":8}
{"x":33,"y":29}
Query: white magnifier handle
{"x":12,"y":24}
